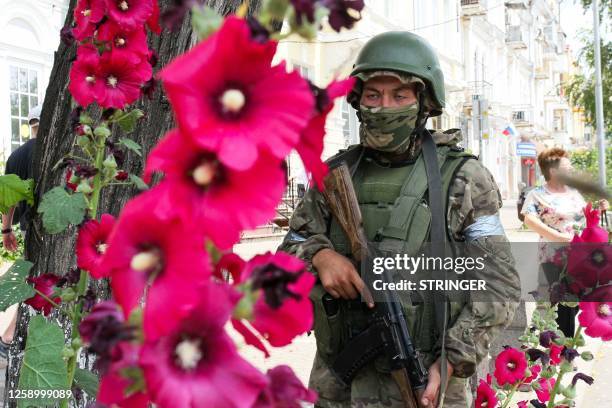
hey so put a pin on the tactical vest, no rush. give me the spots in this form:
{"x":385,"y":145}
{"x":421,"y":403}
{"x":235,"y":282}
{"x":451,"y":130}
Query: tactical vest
{"x":396,"y":216}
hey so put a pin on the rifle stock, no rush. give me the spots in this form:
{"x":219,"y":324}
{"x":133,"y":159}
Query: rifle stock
{"x":342,"y":201}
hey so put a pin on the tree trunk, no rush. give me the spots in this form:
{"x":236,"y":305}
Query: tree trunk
{"x":55,"y":253}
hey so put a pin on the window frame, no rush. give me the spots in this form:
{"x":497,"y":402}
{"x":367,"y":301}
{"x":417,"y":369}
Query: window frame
{"x":21,"y":117}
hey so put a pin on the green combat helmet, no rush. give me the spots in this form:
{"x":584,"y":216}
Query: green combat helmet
{"x":407,"y":53}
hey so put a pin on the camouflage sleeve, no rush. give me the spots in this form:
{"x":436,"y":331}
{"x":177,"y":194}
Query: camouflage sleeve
{"x":474,"y":210}
{"x":308,"y":228}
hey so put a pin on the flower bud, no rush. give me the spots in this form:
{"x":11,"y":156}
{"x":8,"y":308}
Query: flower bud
{"x":76,"y":343}
{"x":586,"y":355}
{"x":569,"y":392}
{"x":84,"y":187}
{"x":110,"y":163}
{"x":67,"y":352}
{"x":68,"y":295}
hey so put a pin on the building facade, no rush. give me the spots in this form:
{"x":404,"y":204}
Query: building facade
{"x":503,"y":63}
{"x":29,"y":36}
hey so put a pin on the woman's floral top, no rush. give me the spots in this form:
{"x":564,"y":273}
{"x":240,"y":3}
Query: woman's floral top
{"x":560,"y":211}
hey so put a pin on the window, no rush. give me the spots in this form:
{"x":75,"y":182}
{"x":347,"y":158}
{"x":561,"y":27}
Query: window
{"x":305,"y":71}
{"x":559,"y":124}
{"x":23,"y":86}
{"x":349,"y":124}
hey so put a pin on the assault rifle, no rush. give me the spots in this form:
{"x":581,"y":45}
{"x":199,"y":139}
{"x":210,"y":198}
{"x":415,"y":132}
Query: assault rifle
{"x":388,"y":332}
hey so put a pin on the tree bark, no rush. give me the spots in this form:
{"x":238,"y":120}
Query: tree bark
{"x":55,"y":253}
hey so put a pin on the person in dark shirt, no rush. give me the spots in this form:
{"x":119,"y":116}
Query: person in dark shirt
{"x":19,"y":163}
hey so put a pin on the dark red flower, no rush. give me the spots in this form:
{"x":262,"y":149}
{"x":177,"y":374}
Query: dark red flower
{"x":122,"y":175}
{"x":91,"y":245}
{"x":197,"y":365}
{"x":510,"y":366}
{"x":132,"y":43}
{"x":70,"y":181}
{"x":147,"y":250}
{"x":84,"y":80}
{"x":120,"y":80}
{"x":87,"y":15}
{"x":310,"y":146}
{"x":282,"y":309}
{"x":304,"y":8}
{"x":343,"y":13}
{"x":130,"y":14}
{"x":102,"y":330}
{"x":223,"y":98}
{"x":546,"y":338}
{"x":485,"y":396}
{"x":217,"y":199}
{"x":284,"y":390}
{"x":44,"y":284}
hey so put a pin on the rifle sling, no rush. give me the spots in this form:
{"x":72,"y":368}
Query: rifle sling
{"x":359,"y":351}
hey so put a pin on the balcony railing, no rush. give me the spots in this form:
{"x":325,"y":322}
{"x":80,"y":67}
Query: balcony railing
{"x":473,"y":7}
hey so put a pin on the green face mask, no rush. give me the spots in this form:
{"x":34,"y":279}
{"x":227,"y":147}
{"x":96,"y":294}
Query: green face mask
{"x":388,"y":129}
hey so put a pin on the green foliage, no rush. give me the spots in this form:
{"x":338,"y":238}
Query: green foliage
{"x":43,"y":366}
{"x":13,"y":190}
{"x":581,"y":87}
{"x":127,"y":120}
{"x":205,"y":21}
{"x":138,"y":182}
{"x":87,"y":381}
{"x":13,"y":285}
{"x":587,"y":161}
{"x":7,"y":256}
{"x":131,"y":145}
{"x":60,"y":209}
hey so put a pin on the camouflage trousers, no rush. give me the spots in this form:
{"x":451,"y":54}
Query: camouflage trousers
{"x":372,"y":388}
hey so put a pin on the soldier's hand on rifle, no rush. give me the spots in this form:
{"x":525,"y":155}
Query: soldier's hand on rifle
{"x":429,"y":398}
{"x":339,"y":276}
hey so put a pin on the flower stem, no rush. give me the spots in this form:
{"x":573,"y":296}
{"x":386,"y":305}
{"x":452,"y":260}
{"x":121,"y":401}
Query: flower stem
{"x":555,"y":390}
{"x":84,"y":277}
{"x":47,"y":298}
{"x":511,"y":393}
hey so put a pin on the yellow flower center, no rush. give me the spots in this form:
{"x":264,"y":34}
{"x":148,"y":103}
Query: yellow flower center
{"x":144,"y":261}
{"x":204,"y":174}
{"x":120,"y":42}
{"x":604,"y":310}
{"x":86,"y":12}
{"x":124,"y":5}
{"x":189,"y":354}
{"x":232,"y":100}
{"x":90,"y":79}
{"x":101,"y":248}
{"x":112,"y":81}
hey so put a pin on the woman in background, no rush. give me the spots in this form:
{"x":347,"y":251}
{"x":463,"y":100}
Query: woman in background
{"x":555,"y":212}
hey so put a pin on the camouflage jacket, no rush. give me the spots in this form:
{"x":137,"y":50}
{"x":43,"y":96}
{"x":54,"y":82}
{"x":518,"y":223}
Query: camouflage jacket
{"x":472,"y":194}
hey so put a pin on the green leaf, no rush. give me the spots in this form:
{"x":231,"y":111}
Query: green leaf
{"x":60,"y":209}
{"x":132,"y":145}
{"x":127,"y":120}
{"x":138,"y":182}
{"x":43,"y":366}
{"x":13,"y":190}
{"x":87,"y":381}
{"x":13,"y":285}
{"x":205,"y":21}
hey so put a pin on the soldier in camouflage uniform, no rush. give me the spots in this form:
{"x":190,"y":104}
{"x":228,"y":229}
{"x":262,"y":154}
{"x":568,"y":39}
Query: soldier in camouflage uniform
{"x":399,"y":85}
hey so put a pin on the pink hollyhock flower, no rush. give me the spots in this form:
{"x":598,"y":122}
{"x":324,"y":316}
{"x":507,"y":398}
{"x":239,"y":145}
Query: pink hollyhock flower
{"x":163,"y":256}
{"x":310,"y":146}
{"x":535,"y":371}
{"x":116,"y":384}
{"x":596,"y":313}
{"x":130,"y":14}
{"x":593,"y":232}
{"x":510,"y":366}
{"x":284,"y":390}
{"x":84,"y":79}
{"x":45,"y":284}
{"x":120,"y":80}
{"x":132,"y":43}
{"x":485,"y":396}
{"x":555,"y":353}
{"x":217,"y":199}
{"x":226,"y":94}
{"x":523,"y":404}
{"x":282,"y":309}
{"x":91,"y":245}
{"x":546,"y":386}
{"x":153,"y":21}
{"x":87,"y":15}
{"x":197,"y":365}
